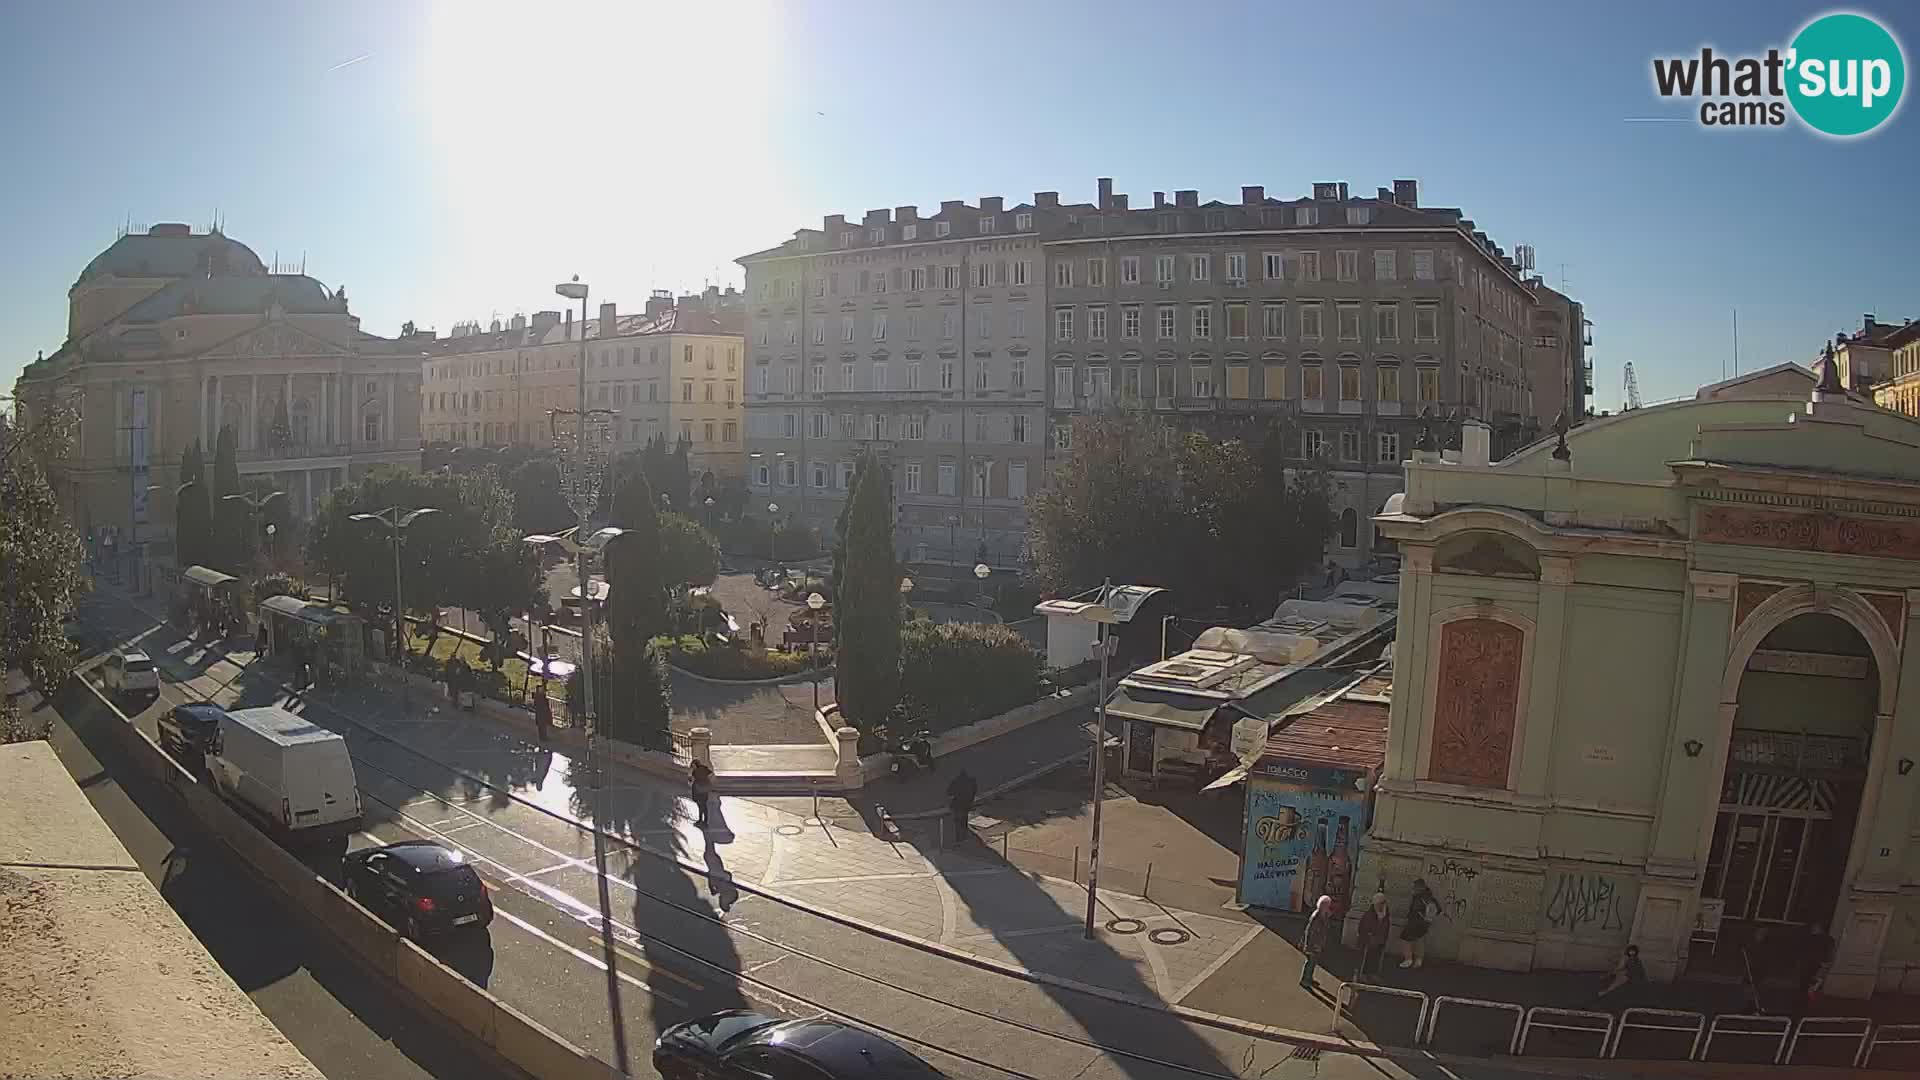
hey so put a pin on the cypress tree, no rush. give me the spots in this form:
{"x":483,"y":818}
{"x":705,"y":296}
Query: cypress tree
{"x":636,"y":598}
{"x":867,"y":608}
{"x":192,"y":513}
{"x":228,"y":548}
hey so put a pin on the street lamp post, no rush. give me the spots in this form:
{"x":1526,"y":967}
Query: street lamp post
{"x":953,"y":549}
{"x":709,"y":513}
{"x":815,"y":602}
{"x":254,"y":504}
{"x":395,"y":522}
{"x":981,"y":572}
{"x":773,"y":529}
{"x":1099,"y":755}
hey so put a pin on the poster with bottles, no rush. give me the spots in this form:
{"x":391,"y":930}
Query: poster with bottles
{"x":1303,"y":838}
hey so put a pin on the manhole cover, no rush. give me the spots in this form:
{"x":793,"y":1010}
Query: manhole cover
{"x":1125,"y":926}
{"x":789,"y":830}
{"x":1169,"y":935}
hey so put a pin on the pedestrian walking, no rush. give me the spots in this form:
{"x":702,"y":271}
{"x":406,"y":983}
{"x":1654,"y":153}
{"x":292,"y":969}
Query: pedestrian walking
{"x":542,"y":712}
{"x":1816,"y":952}
{"x":1313,"y":940}
{"x":1421,"y":909}
{"x":700,"y":789}
{"x":960,"y":796}
{"x":1376,"y":925}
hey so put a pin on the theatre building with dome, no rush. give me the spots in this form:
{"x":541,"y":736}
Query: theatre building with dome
{"x":1652,"y":686}
{"x":173,"y":334}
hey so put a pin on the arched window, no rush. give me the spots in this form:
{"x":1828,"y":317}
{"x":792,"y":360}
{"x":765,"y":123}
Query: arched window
{"x":1349,"y":528}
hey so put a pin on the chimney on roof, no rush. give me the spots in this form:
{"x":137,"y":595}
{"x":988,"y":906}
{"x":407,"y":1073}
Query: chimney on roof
{"x":1106,"y":192}
{"x":878,"y":217}
{"x":1407,"y":193}
{"x":1120,"y":202}
{"x":1186,"y":198}
{"x":1159,"y":199}
{"x":544,"y":321}
{"x":948,"y":206}
{"x":1383,"y":194}
{"x":905,"y":214}
{"x":608,"y":320}
{"x":711,"y":293}
{"x":659,"y":304}
{"x":834,"y":225}
{"x":518,"y":325}
{"x":1251,"y":194}
{"x":990,"y":204}
{"x":1046,"y":200}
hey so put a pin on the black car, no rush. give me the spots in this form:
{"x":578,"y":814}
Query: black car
{"x":749,"y":1046}
{"x":421,"y":887}
{"x":187,"y":731}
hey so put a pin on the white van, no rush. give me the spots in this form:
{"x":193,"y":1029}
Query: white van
{"x":287,"y":770}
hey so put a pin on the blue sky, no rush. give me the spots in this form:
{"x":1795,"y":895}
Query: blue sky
{"x":468,"y":155}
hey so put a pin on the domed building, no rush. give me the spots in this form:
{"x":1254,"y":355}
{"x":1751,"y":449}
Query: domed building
{"x":1651,"y":687}
{"x":173,"y":335}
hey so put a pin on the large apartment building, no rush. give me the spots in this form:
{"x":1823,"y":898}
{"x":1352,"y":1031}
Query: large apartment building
{"x":674,"y":369}
{"x":922,"y":340}
{"x":174,"y":334}
{"x":1345,"y":316}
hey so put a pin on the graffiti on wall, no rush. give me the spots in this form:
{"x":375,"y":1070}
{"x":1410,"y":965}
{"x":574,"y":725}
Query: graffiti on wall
{"x":1506,"y":901}
{"x":1588,"y":903}
{"x":1452,"y":882}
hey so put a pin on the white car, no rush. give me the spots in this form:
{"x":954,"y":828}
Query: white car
{"x":131,"y":670}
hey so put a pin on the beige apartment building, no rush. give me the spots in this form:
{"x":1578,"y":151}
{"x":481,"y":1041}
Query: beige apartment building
{"x":174,"y":334}
{"x":1344,"y":316}
{"x":674,"y":370}
{"x":921,"y":340}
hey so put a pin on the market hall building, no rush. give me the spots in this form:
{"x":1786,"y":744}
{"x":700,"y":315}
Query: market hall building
{"x":1651,"y":685}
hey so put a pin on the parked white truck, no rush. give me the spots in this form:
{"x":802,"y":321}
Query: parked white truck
{"x":288,"y":772}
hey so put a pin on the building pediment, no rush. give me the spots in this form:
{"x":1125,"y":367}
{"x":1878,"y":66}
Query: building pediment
{"x":273,"y":339}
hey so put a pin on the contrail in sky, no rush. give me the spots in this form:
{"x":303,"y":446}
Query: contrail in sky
{"x":349,"y":63}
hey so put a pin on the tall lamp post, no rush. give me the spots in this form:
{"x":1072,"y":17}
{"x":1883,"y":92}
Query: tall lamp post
{"x":585,"y":470}
{"x":773,"y":529}
{"x":981,"y":572}
{"x":815,"y":602}
{"x":254,"y":504}
{"x":395,"y":521}
{"x":1104,"y":617}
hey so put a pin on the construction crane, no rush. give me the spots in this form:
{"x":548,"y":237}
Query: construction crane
{"x":1633,"y":390}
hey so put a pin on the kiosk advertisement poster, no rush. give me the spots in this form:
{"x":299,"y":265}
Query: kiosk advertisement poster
{"x":1303,"y":838}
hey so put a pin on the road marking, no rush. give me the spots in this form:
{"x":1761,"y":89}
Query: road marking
{"x":582,"y":954}
{"x":549,"y":869}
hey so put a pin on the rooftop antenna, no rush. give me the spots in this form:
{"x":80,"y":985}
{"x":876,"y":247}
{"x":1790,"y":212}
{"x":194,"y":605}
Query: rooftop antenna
{"x":1736,"y":343}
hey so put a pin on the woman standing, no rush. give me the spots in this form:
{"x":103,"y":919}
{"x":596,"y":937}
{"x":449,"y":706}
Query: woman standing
{"x":1376,"y":924}
{"x":1313,"y":941}
{"x":1421,"y":908}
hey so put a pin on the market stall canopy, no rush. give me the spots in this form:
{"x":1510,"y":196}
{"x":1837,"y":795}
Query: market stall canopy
{"x":1341,"y":725}
{"x":203,"y":576}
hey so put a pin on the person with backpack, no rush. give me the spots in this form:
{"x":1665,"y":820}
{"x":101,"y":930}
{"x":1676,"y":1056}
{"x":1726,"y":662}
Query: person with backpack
{"x":1422,"y":908}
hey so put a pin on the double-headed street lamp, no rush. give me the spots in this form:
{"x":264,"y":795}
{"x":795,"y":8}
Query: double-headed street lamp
{"x":773,"y":529}
{"x":815,"y":603}
{"x":395,"y":521}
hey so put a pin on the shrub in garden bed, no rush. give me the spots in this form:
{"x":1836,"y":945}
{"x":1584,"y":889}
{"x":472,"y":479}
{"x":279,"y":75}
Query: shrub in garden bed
{"x":729,"y":660}
{"x":952,"y":674}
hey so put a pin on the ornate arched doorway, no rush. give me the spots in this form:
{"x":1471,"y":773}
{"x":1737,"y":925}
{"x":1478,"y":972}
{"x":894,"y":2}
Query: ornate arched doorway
{"x":1797,"y":764}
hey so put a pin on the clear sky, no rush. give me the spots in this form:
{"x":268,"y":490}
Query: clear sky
{"x":450,"y":162}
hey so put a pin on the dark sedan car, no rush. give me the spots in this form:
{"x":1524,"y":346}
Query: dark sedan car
{"x":749,"y":1046}
{"x":186,"y":731}
{"x":419,"y":886}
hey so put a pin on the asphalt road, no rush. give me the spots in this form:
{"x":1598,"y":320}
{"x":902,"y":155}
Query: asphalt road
{"x":349,"y":1024}
{"x":686,"y":944}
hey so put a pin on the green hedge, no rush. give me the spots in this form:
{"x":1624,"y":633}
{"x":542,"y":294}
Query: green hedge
{"x":952,"y":674}
{"x":730,"y":661}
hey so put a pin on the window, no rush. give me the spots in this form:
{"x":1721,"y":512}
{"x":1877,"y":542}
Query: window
{"x":846,"y":328}
{"x":1276,"y":266}
{"x":982,"y":274}
{"x":817,"y":379}
{"x":1349,"y":322}
{"x":1423,"y":266}
{"x":1017,"y":479}
{"x":1384,"y":268}
{"x":789,"y":425}
{"x":1306,"y":215}
{"x":913,"y":374}
{"x":1274,"y":321}
{"x":1096,"y":273}
{"x":686,"y":390}
{"x":1099,"y":386}
{"x":1346,"y":265}
{"x":817,"y":425}
{"x":820,"y":332}
{"x":980,"y":376}
{"x":1387,"y":448}
{"x":846,"y":375}
{"x":942,"y":228}
{"x":820,"y":475}
{"x":708,"y":395}
{"x":1236,"y":322}
{"x":1063,"y":435}
{"x":948,"y":322}
{"x":1309,"y":266}
{"x":949,"y":277}
{"x":1022,"y":271}
{"x":1349,"y":382}
{"x":1359,"y":215}
{"x":1426,"y":322}
{"x":730,"y":431}
{"x":1201,"y":382}
{"x":879,"y":374}
{"x":1096,"y":324}
{"x":1236,"y":268}
{"x":846,"y":425}
{"x":1130,"y":383}
{"x":1063,"y":324}
{"x":1167,"y":320}
{"x":762,"y":476}
{"x":1427,"y":383}
{"x":1349,"y":448}
{"x":790,"y":473}
{"x":1312,"y":444}
{"x":1163,"y":269}
{"x":1063,"y":274}
{"x":1017,"y":374}
{"x":1023,"y":222}
{"x":946,"y":375}
{"x":845,"y":478}
{"x":1275,"y":383}
{"x":1388,"y":380}
{"x":706,"y":432}
{"x":1312,"y":375}
{"x":1129,"y":269}
{"x":1019,"y":427}
{"x":1310,"y":322}
{"x":910,"y":477}
{"x":793,"y":332}
{"x":371,"y":431}
{"x":1200,"y":267}
{"x":917,"y":276}
{"x":909,"y":232}
{"x":913,"y":428}
{"x":986,"y":224}
{"x":1203,"y":322}
{"x":1237,"y":381}
{"x":1386,"y":322}
{"x":1017,"y":320}
{"x":946,"y":478}
{"x":1163,"y":385}
{"x":1063,"y":386}
{"x":1130,"y":322}
{"x":879,"y":326}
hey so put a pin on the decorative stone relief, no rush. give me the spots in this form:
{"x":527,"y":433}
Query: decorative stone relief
{"x":1831,"y":533}
{"x":1752,"y":595}
{"x":1477,"y":704}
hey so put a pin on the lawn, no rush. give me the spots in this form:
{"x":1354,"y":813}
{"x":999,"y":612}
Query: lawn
{"x":514,"y":669}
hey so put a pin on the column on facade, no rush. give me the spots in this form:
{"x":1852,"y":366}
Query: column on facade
{"x":1892,"y":821}
{"x":249,"y":439}
{"x":391,"y":428}
{"x":1543,"y":695}
{"x":213,"y":420}
{"x":1409,"y":707}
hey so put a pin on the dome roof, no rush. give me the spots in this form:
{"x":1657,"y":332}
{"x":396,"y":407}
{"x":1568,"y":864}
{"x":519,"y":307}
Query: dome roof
{"x":174,"y":251}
